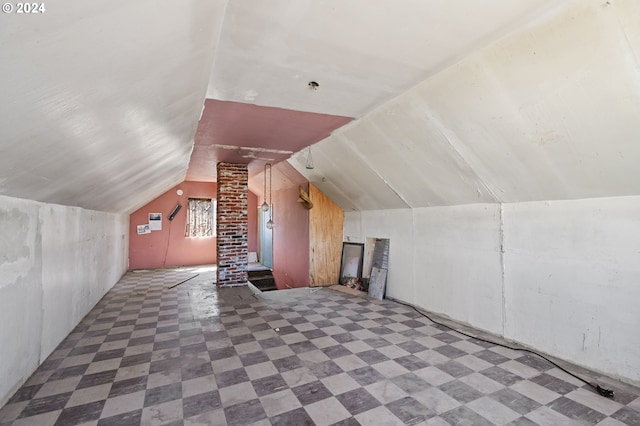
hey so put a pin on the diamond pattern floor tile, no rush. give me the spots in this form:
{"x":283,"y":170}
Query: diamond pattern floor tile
{"x":198,"y":355}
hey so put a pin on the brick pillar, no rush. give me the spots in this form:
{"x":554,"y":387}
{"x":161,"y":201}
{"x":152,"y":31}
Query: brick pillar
{"x":232,"y":224}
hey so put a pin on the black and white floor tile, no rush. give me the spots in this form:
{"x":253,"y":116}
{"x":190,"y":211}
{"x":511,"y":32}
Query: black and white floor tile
{"x":149,"y":354}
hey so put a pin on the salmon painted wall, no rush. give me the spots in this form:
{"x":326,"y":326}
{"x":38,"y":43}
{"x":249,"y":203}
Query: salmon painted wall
{"x":169,"y":247}
{"x":291,"y":230}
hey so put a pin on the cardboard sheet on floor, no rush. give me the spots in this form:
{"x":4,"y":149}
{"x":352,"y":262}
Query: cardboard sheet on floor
{"x":343,"y":289}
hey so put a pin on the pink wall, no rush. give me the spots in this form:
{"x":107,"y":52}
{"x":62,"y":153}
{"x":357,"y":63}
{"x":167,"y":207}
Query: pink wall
{"x":291,"y":230}
{"x":170,"y":247}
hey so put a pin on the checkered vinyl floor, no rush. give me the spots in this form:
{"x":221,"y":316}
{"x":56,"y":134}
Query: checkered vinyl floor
{"x":197,"y":355}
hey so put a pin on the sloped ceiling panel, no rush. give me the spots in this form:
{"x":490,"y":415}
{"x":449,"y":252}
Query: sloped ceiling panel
{"x":548,"y":113}
{"x":423,"y":166}
{"x":362,"y":52}
{"x":551,"y":113}
{"x":284,"y":177}
{"x":399,"y":150}
{"x":101,"y":99}
{"x":342,"y":173}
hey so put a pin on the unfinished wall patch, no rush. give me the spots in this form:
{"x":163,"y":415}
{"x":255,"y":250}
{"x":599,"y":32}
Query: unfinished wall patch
{"x":19,"y":236}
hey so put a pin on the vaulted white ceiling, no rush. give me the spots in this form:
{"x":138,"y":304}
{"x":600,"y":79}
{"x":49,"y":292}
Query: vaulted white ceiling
{"x":550,"y":112}
{"x":361,"y":52}
{"x":454,"y":101}
{"x":101,"y":99}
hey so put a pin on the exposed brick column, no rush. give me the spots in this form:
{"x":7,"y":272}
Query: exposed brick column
{"x":232,"y":224}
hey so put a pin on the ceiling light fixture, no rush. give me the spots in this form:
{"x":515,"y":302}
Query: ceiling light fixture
{"x":309,"y":159}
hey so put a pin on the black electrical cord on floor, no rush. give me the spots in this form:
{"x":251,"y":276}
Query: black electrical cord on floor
{"x":166,"y":252}
{"x":607,"y":393}
{"x":183,"y":281}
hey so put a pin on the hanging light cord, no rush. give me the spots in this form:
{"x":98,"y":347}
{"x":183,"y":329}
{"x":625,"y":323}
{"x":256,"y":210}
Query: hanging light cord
{"x":265,"y":207}
{"x":270,"y":196}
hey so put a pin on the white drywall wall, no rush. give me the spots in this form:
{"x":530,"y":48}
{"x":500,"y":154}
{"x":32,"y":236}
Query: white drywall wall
{"x":458,"y":268}
{"x":572,"y":279}
{"x":562,"y":277}
{"x":444,"y":259}
{"x":20,"y":292}
{"x":396,"y":225}
{"x":56,"y":262}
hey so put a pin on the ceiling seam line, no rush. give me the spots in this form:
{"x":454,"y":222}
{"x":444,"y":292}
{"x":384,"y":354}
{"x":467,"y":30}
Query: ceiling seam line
{"x":373,"y":169}
{"x":442,"y":130}
{"x":215,"y":54}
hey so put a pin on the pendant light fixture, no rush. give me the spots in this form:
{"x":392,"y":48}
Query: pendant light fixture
{"x":265,"y":206}
{"x":309,"y":159}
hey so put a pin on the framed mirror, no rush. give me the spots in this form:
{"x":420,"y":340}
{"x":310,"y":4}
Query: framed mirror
{"x":351,"y":264}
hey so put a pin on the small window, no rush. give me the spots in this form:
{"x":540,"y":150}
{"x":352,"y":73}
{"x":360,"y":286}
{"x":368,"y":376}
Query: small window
{"x":201,"y":218}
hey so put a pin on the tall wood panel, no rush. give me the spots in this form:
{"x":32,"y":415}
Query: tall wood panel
{"x":326,"y":221}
